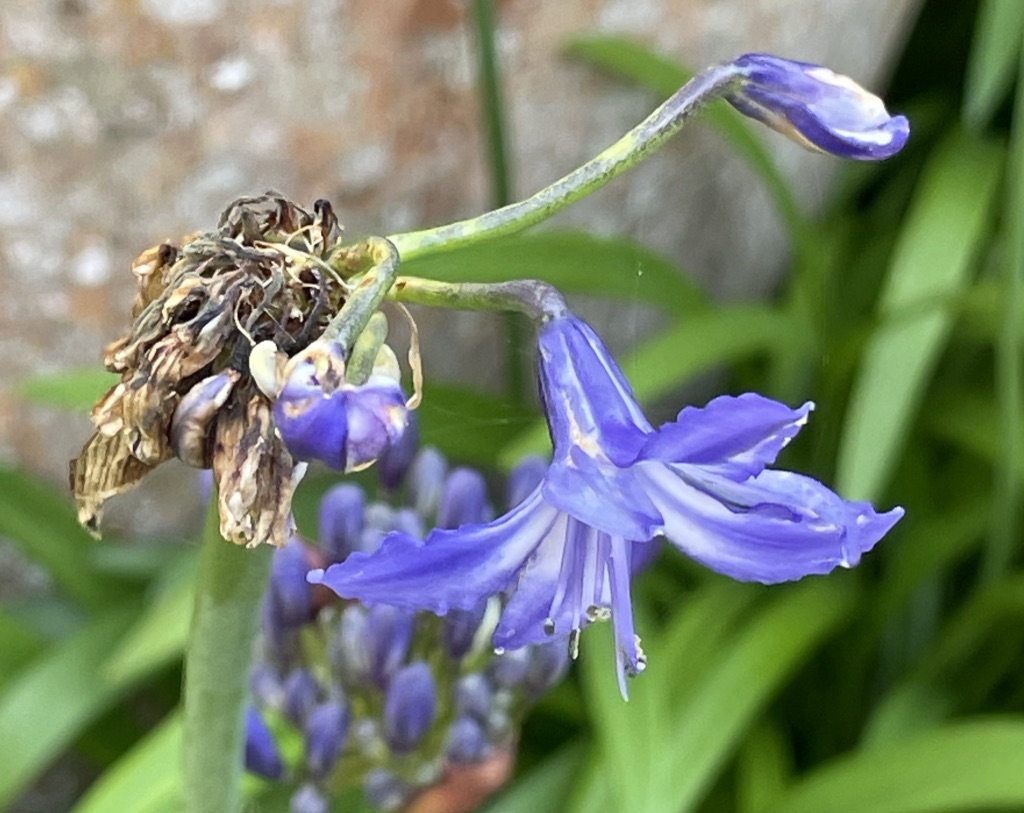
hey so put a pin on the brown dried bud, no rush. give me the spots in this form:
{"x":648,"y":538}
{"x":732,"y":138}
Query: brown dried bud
{"x":270,"y":273}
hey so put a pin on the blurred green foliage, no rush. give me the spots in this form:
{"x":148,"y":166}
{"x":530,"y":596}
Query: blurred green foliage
{"x":895,"y":688}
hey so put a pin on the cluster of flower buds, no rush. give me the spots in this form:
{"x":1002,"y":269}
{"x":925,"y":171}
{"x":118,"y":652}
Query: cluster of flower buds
{"x":403,"y":702}
{"x":220,"y":322}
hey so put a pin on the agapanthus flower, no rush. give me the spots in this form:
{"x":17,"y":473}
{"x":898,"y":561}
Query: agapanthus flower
{"x":563,"y":556}
{"x":322,"y":416}
{"x":817,"y":108}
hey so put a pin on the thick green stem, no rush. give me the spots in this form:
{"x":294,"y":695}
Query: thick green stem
{"x":538,"y":300}
{"x":224,"y":624}
{"x":628,"y":151}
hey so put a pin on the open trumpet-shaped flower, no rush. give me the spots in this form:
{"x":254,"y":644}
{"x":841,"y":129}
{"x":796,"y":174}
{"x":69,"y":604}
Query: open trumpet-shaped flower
{"x":563,"y":555}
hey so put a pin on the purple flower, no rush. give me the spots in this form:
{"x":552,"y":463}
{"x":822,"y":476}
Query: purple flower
{"x":563,"y":556}
{"x":817,"y":108}
{"x":323,"y":417}
{"x":261,"y":754}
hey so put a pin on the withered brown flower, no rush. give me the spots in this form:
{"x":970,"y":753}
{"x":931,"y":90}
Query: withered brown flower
{"x":272,"y":271}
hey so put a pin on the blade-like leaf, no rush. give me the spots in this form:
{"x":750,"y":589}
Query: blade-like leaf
{"x":542,"y":790}
{"x":660,"y":753}
{"x":948,"y":218}
{"x":993,"y":59}
{"x":39,"y":520}
{"x":968,"y":766}
{"x":146,"y":779}
{"x":160,"y":633}
{"x":76,"y":389}
{"x":49,"y":703}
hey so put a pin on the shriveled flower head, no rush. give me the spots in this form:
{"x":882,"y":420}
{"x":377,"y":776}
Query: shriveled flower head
{"x":816,"y":107}
{"x":271,"y":272}
{"x":563,"y":557}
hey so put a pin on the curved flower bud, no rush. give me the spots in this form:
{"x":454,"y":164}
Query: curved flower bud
{"x":467,"y":741}
{"x":426,"y":481}
{"x":410,"y":707}
{"x":261,"y":754}
{"x":394,"y":463}
{"x":342,"y":517}
{"x":385,"y":791}
{"x":817,"y":108}
{"x":190,"y":423}
{"x":463,"y":500}
{"x":300,"y":693}
{"x":309,"y":799}
{"x":322,"y":417}
{"x":460,"y":628}
{"x":290,"y":598}
{"x":326,"y":729}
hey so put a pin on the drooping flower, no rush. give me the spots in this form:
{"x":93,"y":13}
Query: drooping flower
{"x":816,"y":107}
{"x":563,"y":556}
{"x":322,"y":416}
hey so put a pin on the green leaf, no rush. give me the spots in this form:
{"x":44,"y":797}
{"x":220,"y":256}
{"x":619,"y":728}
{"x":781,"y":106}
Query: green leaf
{"x":542,"y":790}
{"x":77,"y":389}
{"x":993,"y":59}
{"x":644,"y":744}
{"x":145,"y":780}
{"x":970,"y":421}
{"x":160,"y":633}
{"x":698,"y":344}
{"x":19,"y":644}
{"x":636,"y":63}
{"x":947,"y":220}
{"x":39,"y":520}
{"x":574,"y":263}
{"x":50,"y":701}
{"x":973,"y":765}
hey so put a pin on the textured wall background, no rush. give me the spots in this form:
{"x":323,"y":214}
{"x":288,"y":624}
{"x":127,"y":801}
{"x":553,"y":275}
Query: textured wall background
{"x":124,"y":122}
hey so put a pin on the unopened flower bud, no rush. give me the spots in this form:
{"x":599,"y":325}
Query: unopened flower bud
{"x":348,"y":650}
{"x":388,"y":634}
{"x":385,"y":791}
{"x":464,"y":499}
{"x":264,"y":686}
{"x":817,"y":108}
{"x":300,"y":695}
{"x":523,"y":479}
{"x":509,"y":668}
{"x":261,"y":754}
{"x":410,"y":706}
{"x":426,"y":481}
{"x":473,"y":696}
{"x":290,"y":596}
{"x":191,"y":423}
{"x":460,"y":627}
{"x":394,"y":463}
{"x":326,"y":728}
{"x":309,"y":799}
{"x":548,"y":664}
{"x":467,"y":741}
{"x":341,"y":521}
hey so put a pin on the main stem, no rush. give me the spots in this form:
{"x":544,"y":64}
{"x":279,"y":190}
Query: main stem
{"x":628,"y":151}
{"x":224,"y":625}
